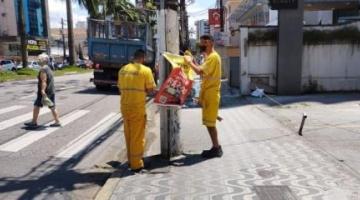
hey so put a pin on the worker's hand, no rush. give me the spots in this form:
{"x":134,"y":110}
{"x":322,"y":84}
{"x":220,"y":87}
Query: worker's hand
{"x":43,"y":93}
{"x":152,"y":92}
{"x":188,"y":59}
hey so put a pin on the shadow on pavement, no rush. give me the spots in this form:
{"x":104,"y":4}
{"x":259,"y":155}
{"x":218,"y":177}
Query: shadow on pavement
{"x":188,"y":160}
{"x":56,"y":175}
{"x":35,"y":128}
{"x":158,"y":165}
{"x":94,"y":91}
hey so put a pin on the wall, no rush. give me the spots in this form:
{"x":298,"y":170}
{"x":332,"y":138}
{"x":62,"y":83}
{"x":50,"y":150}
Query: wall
{"x":262,"y":70}
{"x":325,"y":67}
{"x":331,"y":68}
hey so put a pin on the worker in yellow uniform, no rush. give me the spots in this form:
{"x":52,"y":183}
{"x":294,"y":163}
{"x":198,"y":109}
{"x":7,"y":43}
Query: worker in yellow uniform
{"x":135,"y":82}
{"x":209,"y":98}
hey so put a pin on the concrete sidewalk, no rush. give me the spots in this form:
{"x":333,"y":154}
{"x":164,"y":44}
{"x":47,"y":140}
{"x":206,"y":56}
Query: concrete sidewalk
{"x":263,"y":159}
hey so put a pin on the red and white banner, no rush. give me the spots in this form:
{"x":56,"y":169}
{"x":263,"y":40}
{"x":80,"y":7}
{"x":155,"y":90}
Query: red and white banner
{"x":214,"y":17}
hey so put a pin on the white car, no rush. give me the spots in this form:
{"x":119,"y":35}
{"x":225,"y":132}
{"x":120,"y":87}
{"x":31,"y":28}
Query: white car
{"x":7,"y":65}
{"x":31,"y":65}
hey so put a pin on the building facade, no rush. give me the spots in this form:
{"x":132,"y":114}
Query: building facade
{"x":36,"y":27}
{"x":202,"y":28}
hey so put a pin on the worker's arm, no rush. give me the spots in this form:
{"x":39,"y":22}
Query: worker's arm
{"x":150,"y":86}
{"x":43,"y":79}
{"x":197,"y":69}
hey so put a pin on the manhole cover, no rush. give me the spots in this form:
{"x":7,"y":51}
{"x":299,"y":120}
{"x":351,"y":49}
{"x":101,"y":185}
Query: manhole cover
{"x":274,"y":192}
{"x":265,"y":173}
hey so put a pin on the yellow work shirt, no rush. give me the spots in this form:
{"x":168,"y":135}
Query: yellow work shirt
{"x":211,"y":73}
{"x":134,"y":80}
{"x":210,"y":89}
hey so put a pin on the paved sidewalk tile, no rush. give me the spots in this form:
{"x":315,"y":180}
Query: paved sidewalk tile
{"x":258,"y":151}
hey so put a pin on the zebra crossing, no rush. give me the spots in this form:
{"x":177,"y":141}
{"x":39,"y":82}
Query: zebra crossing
{"x":72,"y":148}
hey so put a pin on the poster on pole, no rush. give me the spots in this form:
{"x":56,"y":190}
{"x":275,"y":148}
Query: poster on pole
{"x":178,"y":85}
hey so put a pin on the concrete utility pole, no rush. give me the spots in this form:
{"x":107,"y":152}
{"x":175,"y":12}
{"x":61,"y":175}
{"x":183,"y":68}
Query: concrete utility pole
{"x":290,"y":49}
{"x":70,"y":33}
{"x":168,"y":29}
{"x":23,"y":41}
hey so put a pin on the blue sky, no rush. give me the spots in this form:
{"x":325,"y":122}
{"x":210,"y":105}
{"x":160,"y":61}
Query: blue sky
{"x":57,"y":10}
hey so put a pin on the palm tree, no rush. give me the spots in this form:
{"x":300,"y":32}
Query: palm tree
{"x":121,"y":9}
{"x":92,"y":6}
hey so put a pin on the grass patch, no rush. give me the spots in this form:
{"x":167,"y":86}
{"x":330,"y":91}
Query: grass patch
{"x":27,"y":73}
{"x":7,"y":76}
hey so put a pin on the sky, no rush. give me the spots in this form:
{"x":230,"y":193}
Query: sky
{"x":57,"y":10}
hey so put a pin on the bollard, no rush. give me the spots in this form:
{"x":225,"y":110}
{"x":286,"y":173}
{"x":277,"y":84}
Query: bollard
{"x":302,"y":124}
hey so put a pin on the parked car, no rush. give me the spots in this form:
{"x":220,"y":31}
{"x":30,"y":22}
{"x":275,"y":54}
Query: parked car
{"x":8,"y":65}
{"x":61,"y":65}
{"x":31,"y":65}
{"x":81,"y":63}
{"x":34,"y":65}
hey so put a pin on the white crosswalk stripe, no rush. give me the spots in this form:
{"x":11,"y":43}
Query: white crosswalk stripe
{"x":21,"y":142}
{"x":19,"y":119}
{"x":88,"y":137}
{"x":10,"y":109}
{"x":28,"y":96}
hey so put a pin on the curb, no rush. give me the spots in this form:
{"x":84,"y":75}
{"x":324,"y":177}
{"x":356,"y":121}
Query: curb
{"x":108,"y":188}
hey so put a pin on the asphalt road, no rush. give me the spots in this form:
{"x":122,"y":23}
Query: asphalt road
{"x":71,"y":162}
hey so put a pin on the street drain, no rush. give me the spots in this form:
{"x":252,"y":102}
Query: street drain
{"x":274,"y":192}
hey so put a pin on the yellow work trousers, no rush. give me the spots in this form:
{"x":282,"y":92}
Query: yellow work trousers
{"x":210,"y":101}
{"x":134,"y":125}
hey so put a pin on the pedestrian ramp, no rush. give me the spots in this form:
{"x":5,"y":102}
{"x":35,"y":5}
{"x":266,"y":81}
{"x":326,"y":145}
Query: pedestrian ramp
{"x":69,"y":149}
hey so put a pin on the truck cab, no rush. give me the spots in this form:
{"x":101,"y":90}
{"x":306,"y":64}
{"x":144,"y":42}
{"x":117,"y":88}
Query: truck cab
{"x":111,"y":45}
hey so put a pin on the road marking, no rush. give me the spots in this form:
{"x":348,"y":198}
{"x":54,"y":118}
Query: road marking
{"x":19,"y":119}
{"x":33,"y":136}
{"x":10,"y":109}
{"x":87,"y":138}
{"x":27,"y":96}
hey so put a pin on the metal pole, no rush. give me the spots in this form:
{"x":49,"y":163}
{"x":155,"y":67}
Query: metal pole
{"x":302,"y":124}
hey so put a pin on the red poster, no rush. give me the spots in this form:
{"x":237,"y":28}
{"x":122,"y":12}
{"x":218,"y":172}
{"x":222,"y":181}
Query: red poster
{"x":214,"y":17}
{"x":175,"y":89}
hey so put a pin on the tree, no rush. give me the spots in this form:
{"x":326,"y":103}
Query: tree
{"x":121,"y":10}
{"x":70,"y":33}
